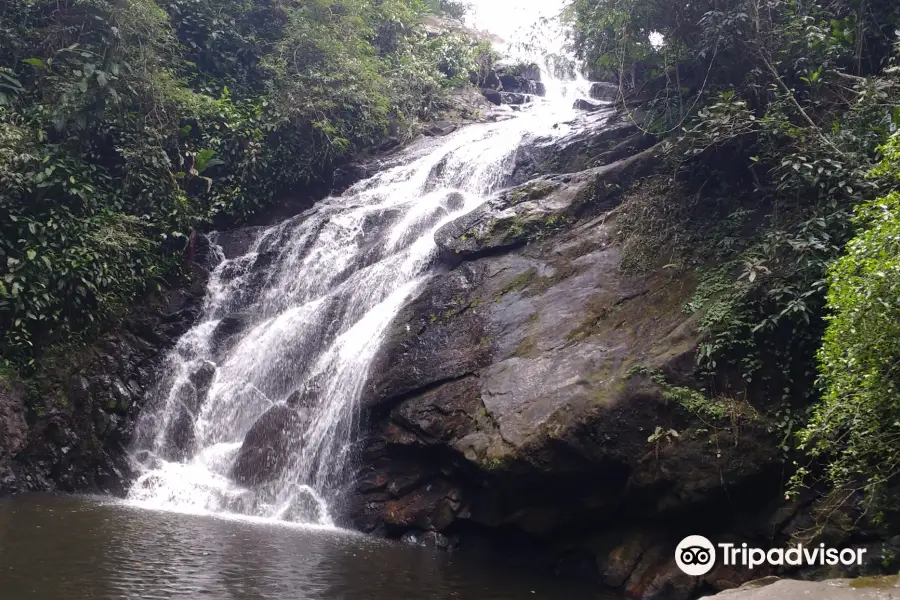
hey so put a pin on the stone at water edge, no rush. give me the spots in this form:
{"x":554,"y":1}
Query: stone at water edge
{"x":493,"y":96}
{"x":588,"y":105}
{"x":440,"y":128}
{"x":602,"y":90}
{"x":863,"y":588}
{"x":514,"y":98}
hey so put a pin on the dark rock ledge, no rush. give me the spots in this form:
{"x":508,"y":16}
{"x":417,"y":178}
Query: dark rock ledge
{"x":69,"y":430}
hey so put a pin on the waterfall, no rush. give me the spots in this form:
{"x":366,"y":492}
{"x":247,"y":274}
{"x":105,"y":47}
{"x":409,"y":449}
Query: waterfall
{"x":257,"y":405}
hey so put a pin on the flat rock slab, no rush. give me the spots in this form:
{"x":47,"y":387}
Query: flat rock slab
{"x":864,"y":588}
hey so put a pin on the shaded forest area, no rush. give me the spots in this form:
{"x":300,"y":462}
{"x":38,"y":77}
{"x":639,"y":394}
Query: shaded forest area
{"x":781,"y":194}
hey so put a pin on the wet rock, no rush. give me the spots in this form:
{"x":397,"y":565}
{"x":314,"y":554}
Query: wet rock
{"x":491,"y":80}
{"x":306,"y":397}
{"x":604,"y":91}
{"x":513,"y":83}
{"x":533,"y":211}
{"x":268,"y":446}
{"x":421,"y":349}
{"x":227,"y":329}
{"x":441,"y":415}
{"x":346,"y":176}
{"x":237,"y":242}
{"x":576,"y":152}
{"x":441,"y":128}
{"x":515,"y":98}
{"x":427,"y":539}
{"x":588,"y":105}
{"x":85,"y":408}
{"x":201,"y":378}
{"x":13,"y":428}
{"x":493,"y":96}
{"x":454,"y":201}
{"x":181,"y":436}
{"x":657,"y":577}
{"x":176,"y":301}
{"x":618,"y":558}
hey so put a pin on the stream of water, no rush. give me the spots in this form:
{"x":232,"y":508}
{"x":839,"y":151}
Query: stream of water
{"x":296,"y":321}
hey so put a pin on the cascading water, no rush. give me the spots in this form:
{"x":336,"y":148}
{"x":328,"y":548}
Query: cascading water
{"x":288,"y":331}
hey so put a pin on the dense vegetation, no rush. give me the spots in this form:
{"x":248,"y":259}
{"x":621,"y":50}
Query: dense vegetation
{"x":126,"y":124}
{"x":780,"y":118}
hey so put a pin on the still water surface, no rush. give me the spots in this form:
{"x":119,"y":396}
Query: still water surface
{"x":71,"y":548}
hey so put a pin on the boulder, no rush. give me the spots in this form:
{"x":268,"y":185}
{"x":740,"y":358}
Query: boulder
{"x":513,"y":83}
{"x":491,"y":80}
{"x":454,"y":201}
{"x":440,"y":128}
{"x":493,"y":96}
{"x":515,"y":98}
{"x":268,"y":445}
{"x":604,"y":91}
{"x":588,"y":105}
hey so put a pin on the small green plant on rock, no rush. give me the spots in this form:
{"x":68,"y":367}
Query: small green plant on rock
{"x":660,"y":434}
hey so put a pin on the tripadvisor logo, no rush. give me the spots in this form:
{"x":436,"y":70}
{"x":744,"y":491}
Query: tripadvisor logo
{"x":695,"y":555}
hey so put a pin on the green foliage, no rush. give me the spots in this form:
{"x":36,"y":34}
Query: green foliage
{"x":856,"y":426}
{"x":125,"y":124}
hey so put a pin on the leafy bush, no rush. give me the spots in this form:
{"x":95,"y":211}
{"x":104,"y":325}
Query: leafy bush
{"x":856,"y":427}
{"x":124,"y":124}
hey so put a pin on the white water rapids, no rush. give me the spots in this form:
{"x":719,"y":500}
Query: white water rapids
{"x":301,"y":315}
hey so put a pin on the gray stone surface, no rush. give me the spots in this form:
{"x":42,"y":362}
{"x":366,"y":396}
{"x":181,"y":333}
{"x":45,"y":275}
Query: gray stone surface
{"x":866,"y":588}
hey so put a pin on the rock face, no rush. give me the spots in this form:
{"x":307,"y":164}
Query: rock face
{"x":522,"y":392}
{"x":71,"y":433}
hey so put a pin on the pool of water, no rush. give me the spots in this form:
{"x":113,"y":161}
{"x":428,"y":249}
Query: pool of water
{"x":75,"y":548}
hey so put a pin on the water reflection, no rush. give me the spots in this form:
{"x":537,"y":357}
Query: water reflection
{"x":66,"y":548}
